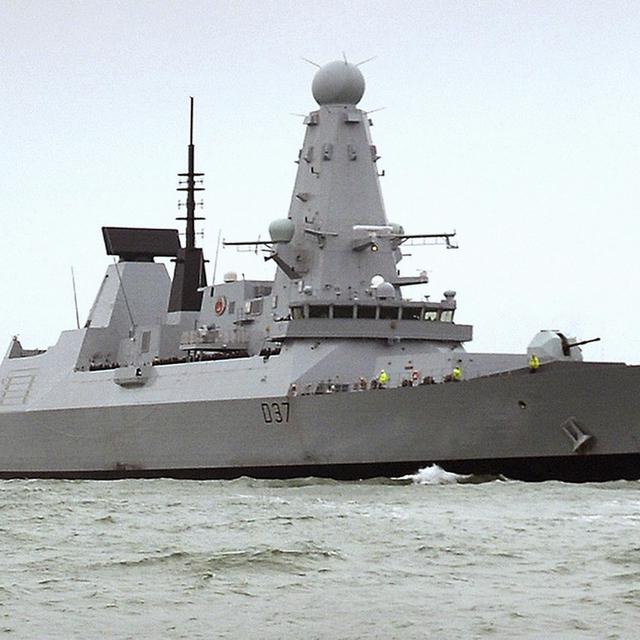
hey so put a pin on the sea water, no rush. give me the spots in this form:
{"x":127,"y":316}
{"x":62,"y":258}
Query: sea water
{"x":427,"y":556}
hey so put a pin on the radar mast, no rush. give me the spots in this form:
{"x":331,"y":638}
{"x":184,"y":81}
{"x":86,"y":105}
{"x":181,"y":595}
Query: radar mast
{"x":190,"y":276}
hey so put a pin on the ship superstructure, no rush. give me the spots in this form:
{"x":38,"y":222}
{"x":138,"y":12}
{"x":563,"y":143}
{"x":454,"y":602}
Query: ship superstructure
{"x":175,"y":377}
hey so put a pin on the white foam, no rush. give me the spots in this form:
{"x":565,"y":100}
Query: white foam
{"x":433,"y":474}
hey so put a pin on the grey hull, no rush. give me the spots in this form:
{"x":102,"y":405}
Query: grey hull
{"x":174,"y":377}
{"x":515,"y":424}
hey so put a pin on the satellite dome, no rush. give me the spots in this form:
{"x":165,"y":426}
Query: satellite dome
{"x":385,"y":290}
{"x":282,"y":230}
{"x":338,"y":82}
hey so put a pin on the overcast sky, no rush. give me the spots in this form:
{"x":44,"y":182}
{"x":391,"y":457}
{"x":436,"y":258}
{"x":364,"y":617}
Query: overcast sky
{"x":515,"y":123}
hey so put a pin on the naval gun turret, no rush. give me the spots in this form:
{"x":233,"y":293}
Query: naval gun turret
{"x":555,"y":345}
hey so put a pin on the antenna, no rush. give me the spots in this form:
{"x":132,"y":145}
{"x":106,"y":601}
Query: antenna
{"x":315,"y":64}
{"x":190,"y":188}
{"x":189,"y":277}
{"x":132,"y":328}
{"x":358,"y":64}
{"x":75,"y":297}
{"x":215,"y":262}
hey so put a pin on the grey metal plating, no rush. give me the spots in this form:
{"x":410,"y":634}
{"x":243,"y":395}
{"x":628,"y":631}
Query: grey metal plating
{"x":275,"y":375}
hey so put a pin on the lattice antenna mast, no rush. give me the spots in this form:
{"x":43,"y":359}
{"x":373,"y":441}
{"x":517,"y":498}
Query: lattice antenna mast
{"x":189,"y":278}
{"x":191,"y":188}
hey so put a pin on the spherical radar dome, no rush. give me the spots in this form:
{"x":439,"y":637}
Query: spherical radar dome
{"x":282,"y":230}
{"x":385,"y":290}
{"x":338,"y":82}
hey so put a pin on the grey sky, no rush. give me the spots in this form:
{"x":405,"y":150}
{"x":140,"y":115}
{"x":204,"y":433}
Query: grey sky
{"x":515,"y":123}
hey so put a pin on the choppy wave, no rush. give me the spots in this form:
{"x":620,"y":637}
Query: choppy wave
{"x":247,"y":559}
{"x":315,"y":558}
{"x":248,"y":481}
{"x":435,"y":475}
{"x":302,"y":482}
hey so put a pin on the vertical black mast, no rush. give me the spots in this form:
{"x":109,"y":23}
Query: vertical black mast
{"x":191,"y":175}
{"x":189,"y":274}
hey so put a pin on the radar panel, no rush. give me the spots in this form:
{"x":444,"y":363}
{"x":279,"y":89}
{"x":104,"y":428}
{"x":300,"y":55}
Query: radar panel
{"x":140,"y":245}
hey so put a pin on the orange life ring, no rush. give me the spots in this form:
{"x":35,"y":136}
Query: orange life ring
{"x":220,"y":306}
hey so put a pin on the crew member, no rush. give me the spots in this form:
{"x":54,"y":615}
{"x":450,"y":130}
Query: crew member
{"x":383,"y":378}
{"x":534,"y":363}
{"x":456,"y":374}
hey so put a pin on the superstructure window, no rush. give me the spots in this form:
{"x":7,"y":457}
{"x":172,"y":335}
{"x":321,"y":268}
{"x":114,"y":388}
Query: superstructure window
{"x":319,"y":311}
{"x":389,"y":313}
{"x":411,"y":313}
{"x":446,"y":316}
{"x":430,"y":315}
{"x":297,"y":313}
{"x":342,"y":311}
{"x":254,"y":307}
{"x":366,"y":312}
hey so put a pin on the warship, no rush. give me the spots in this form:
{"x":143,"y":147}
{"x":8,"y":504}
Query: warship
{"x":326,"y":370}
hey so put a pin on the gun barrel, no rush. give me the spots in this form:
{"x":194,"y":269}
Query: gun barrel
{"x":579,"y":344}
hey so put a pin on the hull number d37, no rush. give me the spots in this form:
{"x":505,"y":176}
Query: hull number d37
{"x":277,"y":412}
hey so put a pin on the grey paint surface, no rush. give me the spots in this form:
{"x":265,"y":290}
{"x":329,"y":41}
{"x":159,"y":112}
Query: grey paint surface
{"x":477,"y":419}
{"x":134,"y":389}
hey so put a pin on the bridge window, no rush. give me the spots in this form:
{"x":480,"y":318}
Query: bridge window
{"x":319,"y":311}
{"x":367,"y":312}
{"x":446,"y":315}
{"x":411,"y":313}
{"x":431,"y":315}
{"x":389,"y":313}
{"x":297,"y":313}
{"x":342,"y":311}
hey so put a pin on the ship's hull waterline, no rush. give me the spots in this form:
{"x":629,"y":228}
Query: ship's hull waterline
{"x":518,"y":425}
